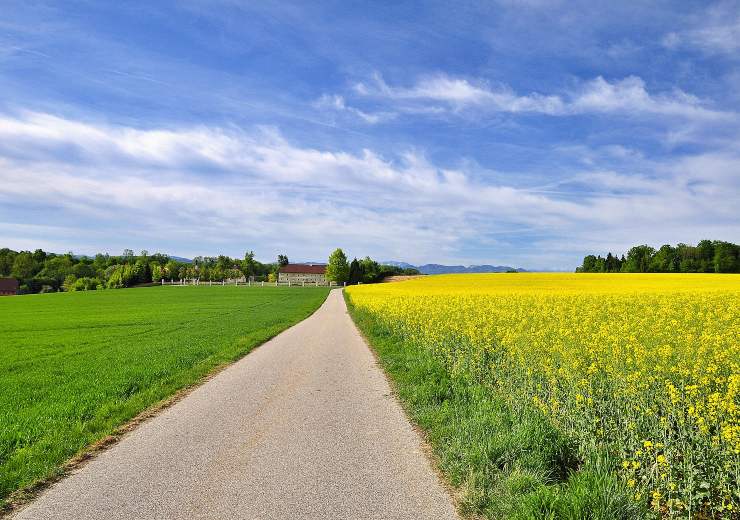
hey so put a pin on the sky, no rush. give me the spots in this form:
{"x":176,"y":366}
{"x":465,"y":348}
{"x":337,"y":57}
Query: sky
{"x":526,"y":133}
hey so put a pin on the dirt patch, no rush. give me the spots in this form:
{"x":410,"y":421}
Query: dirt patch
{"x":401,"y":278}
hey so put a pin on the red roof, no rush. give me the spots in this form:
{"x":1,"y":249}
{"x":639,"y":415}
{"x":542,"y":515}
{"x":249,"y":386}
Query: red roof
{"x":8,"y":284}
{"x":303,"y":269}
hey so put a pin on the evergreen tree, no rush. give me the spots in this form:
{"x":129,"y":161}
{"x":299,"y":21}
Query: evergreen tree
{"x":355,"y":272}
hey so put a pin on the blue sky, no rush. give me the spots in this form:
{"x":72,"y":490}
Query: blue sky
{"x":526,"y":133}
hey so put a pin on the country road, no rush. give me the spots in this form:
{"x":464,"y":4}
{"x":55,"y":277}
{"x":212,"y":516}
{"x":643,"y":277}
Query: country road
{"x":304,"y":427}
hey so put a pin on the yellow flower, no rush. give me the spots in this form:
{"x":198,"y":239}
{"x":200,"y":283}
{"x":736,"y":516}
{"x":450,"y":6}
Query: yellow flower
{"x":610,"y":360}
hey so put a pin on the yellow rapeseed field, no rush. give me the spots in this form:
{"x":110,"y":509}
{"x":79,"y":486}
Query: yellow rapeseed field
{"x":640,"y":370}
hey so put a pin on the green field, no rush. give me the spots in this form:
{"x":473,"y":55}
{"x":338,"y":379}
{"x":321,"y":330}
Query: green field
{"x":75,"y":366}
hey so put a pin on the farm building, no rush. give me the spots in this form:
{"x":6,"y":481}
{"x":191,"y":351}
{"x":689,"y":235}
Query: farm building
{"x":8,"y":286}
{"x":299,"y":273}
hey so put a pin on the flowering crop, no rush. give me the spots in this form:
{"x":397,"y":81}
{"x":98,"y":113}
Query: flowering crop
{"x":642,"y":371}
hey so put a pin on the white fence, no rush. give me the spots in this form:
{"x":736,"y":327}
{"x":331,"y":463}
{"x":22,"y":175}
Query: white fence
{"x":245,"y":283}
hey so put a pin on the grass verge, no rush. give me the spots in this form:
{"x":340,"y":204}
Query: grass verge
{"x":504,"y":463}
{"x":74,"y":367}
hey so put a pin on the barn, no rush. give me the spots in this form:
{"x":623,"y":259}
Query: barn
{"x":8,"y":286}
{"x":299,"y":273}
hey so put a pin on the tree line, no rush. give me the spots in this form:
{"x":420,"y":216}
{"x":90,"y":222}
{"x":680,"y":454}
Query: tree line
{"x":40,"y":272}
{"x":708,"y":256}
{"x":365,"y":270}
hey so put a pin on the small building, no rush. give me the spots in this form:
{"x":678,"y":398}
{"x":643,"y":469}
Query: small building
{"x":299,"y":273}
{"x":8,"y":286}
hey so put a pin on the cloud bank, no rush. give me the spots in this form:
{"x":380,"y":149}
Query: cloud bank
{"x":228,"y":188}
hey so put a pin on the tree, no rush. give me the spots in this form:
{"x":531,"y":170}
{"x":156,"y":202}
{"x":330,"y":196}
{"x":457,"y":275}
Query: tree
{"x":355,"y":272}
{"x":726,"y":257}
{"x":338,"y":268}
{"x":69,"y":282}
{"x":638,"y":259}
{"x":172,"y":270}
{"x":24,"y":266}
{"x":371,"y":271}
{"x":39,"y":256}
{"x":282,"y":260}
{"x":663,"y":261}
{"x":589,"y":264}
{"x":101,"y":261}
{"x":156,"y":272}
{"x":56,"y":270}
{"x":706,"y":256}
{"x":7,"y":257}
{"x":83,"y":270}
{"x":249,"y":264}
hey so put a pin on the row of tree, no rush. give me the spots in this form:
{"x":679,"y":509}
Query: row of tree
{"x":708,"y":256}
{"x":357,"y":271}
{"x":40,"y":271}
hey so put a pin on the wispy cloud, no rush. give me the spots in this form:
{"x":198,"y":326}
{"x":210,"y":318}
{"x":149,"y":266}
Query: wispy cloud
{"x":337,"y":103}
{"x":460,"y":93}
{"x":716,"y":32}
{"x":628,"y":96}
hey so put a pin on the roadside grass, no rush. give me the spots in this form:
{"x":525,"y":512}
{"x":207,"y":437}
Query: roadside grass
{"x":503,"y":463}
{"x":76,"y":366}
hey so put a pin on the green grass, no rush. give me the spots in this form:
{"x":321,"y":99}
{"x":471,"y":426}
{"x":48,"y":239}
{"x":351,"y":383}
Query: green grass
{"x":75,"y":366}
{"x":506,"y":464}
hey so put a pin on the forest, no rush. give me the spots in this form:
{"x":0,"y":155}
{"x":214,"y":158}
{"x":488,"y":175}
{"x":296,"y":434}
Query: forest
{"x":708,"y":256}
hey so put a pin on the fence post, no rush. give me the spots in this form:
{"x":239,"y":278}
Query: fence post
{"x":304,"y":283}
{"x":263,"y":283}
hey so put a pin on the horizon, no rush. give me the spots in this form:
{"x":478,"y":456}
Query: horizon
{"x":527,"y":134}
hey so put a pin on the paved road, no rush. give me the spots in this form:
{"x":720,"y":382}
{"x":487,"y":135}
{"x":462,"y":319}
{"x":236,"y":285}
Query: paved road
{"x":304,"y":427}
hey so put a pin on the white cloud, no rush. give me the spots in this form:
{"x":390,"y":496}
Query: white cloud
{"x":717,"y":32}
{"x":230,"y":188}
{"x":338,"y":103}
{"x":461,"y":93}
{"x":628,"y":97}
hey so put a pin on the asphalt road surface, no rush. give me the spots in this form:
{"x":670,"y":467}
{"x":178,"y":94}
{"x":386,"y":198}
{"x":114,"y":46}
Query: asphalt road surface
{"x":304,"y":427}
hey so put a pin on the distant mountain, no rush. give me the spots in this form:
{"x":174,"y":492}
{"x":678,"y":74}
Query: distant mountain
{"x":454,"y":269}
{"x":402,"y":265}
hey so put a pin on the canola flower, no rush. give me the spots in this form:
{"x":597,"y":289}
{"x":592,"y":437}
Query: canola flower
{"x":642,"y":370}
